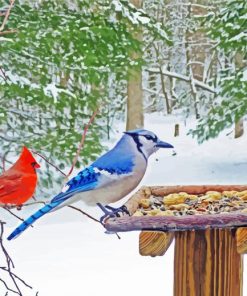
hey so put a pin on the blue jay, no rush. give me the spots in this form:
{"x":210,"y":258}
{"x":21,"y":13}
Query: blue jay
{"x":108,"y":179}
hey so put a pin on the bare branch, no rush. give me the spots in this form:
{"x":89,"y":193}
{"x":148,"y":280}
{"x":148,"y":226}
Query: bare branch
{"x":3,"y":74}
{"x":15,"y":275}
{"x":84,"y":213}
{"x":91,"y":217}
{"x":8,"y":268}
{"x":81,"y":143}
{"x":11,"y":3}
{"x":7,"y":287}
{"x":13,"y":214}
{"x":53,"y":165}
{"x":8,"y":32}
{"x":208,"y":7}
{"x":184,"y":78}
{"x":3,"y":163}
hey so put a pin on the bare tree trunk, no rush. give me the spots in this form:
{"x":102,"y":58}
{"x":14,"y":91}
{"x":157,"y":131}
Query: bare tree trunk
{"x":239,"y":128}
{"x":195,"y":54}
{"x":163,"y":87}
{"x":134,"y":92}
{"x":153,"y":96}
{"x":239,"y":125}
{"x":176,"y":130}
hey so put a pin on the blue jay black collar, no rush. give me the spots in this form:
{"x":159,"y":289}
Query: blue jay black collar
{"x":138,"y":144}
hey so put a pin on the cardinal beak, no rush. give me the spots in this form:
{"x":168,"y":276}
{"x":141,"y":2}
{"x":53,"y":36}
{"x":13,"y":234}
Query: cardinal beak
{"x":36,"y":166}
{"x":162,"y":144}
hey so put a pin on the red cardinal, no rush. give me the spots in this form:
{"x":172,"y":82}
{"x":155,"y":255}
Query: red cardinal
{"x":18,"y":183}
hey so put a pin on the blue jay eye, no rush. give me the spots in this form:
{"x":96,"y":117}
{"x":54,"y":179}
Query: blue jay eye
{"x":149,"y":137}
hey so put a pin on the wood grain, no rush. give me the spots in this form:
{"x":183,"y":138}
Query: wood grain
{"x":169,"y":223}
{"x":154,"y":243}
{"x":133,"y":203}
{"x":176,"y":223}
{"x":207,"y":264}
{"x":194,"y":189}
{"x":241,"y":238}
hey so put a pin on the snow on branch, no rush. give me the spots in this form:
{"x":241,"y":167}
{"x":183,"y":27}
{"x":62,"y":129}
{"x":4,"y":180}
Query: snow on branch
{"x":208,"y":7}
{"x":196,"y":82}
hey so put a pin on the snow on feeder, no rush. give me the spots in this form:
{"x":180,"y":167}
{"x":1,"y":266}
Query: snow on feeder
{"x":208,"y":223}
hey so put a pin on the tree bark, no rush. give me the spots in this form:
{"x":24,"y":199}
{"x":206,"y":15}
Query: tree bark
{"x":134,"y":91}
{"x":134,"y":101}
{"x":239,"y":128}
{"x":176,"y":130}
{"x":239,"y":125}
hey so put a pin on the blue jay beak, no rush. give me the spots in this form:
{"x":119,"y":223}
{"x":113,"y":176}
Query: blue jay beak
{"x":161,"y":144}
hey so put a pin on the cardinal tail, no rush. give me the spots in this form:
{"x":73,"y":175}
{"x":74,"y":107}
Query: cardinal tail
{"x":29,"y":221}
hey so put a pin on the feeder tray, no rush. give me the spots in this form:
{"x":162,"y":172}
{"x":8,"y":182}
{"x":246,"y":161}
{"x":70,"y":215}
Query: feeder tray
{"x":210,"y":234}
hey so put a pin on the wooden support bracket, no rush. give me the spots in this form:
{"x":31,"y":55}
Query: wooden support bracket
{"x":154,"y":243}
{"x":241,"y":237}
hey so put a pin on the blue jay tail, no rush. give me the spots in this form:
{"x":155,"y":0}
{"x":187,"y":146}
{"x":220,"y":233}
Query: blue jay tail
{"x":28,"y":222}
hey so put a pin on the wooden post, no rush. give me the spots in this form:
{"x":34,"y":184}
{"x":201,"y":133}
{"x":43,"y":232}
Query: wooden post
{"x":207,"y":263}
{"x":176,"y":130}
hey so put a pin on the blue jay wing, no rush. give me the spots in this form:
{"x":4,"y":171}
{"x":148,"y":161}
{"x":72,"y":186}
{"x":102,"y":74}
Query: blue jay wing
{"x":86,"y":180}
{"x":117,"y":161}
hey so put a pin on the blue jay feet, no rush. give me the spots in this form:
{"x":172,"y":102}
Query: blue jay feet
{"x":110,"y":212}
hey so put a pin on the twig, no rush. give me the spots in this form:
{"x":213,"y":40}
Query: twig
{"x":9,"y":260}
{"x":13,"y":214}
{"x":7,"y":288}
{"x":24,"y":205}
{"x":84,"y":213}
{"x":43,"y":203}
{"x":15,"y":275}
{"x":34,"y":203}
{"x":81,"y":143}
{"x":8,"y":32}
{"x":53,"y":165}
{"x":11,"y":3}
{"x":8,"y":268}
{"x":78,"y":150}
{"x":91,"y":217}
{"x":3,"y":163}
{"x":3,"y":74}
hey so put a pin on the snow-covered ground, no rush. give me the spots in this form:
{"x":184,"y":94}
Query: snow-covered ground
{"x":66,"y":254}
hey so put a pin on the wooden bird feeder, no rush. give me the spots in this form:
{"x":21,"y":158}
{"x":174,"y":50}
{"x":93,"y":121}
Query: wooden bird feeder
{"x":209,"y":248}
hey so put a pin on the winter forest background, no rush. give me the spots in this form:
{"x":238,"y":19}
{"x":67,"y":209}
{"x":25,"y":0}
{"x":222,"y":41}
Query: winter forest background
{"x":61,"y":61}
{"x":67,"y":58}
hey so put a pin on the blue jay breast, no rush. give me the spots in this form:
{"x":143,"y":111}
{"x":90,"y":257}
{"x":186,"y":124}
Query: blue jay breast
{"x":113,"y":192}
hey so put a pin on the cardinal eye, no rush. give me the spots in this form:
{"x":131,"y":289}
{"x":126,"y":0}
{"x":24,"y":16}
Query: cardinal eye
{"x":33,"y":164}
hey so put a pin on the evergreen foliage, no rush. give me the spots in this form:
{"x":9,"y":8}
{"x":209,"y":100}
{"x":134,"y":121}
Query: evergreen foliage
{"x":61,"y":64}
{"x":228,"y":28}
